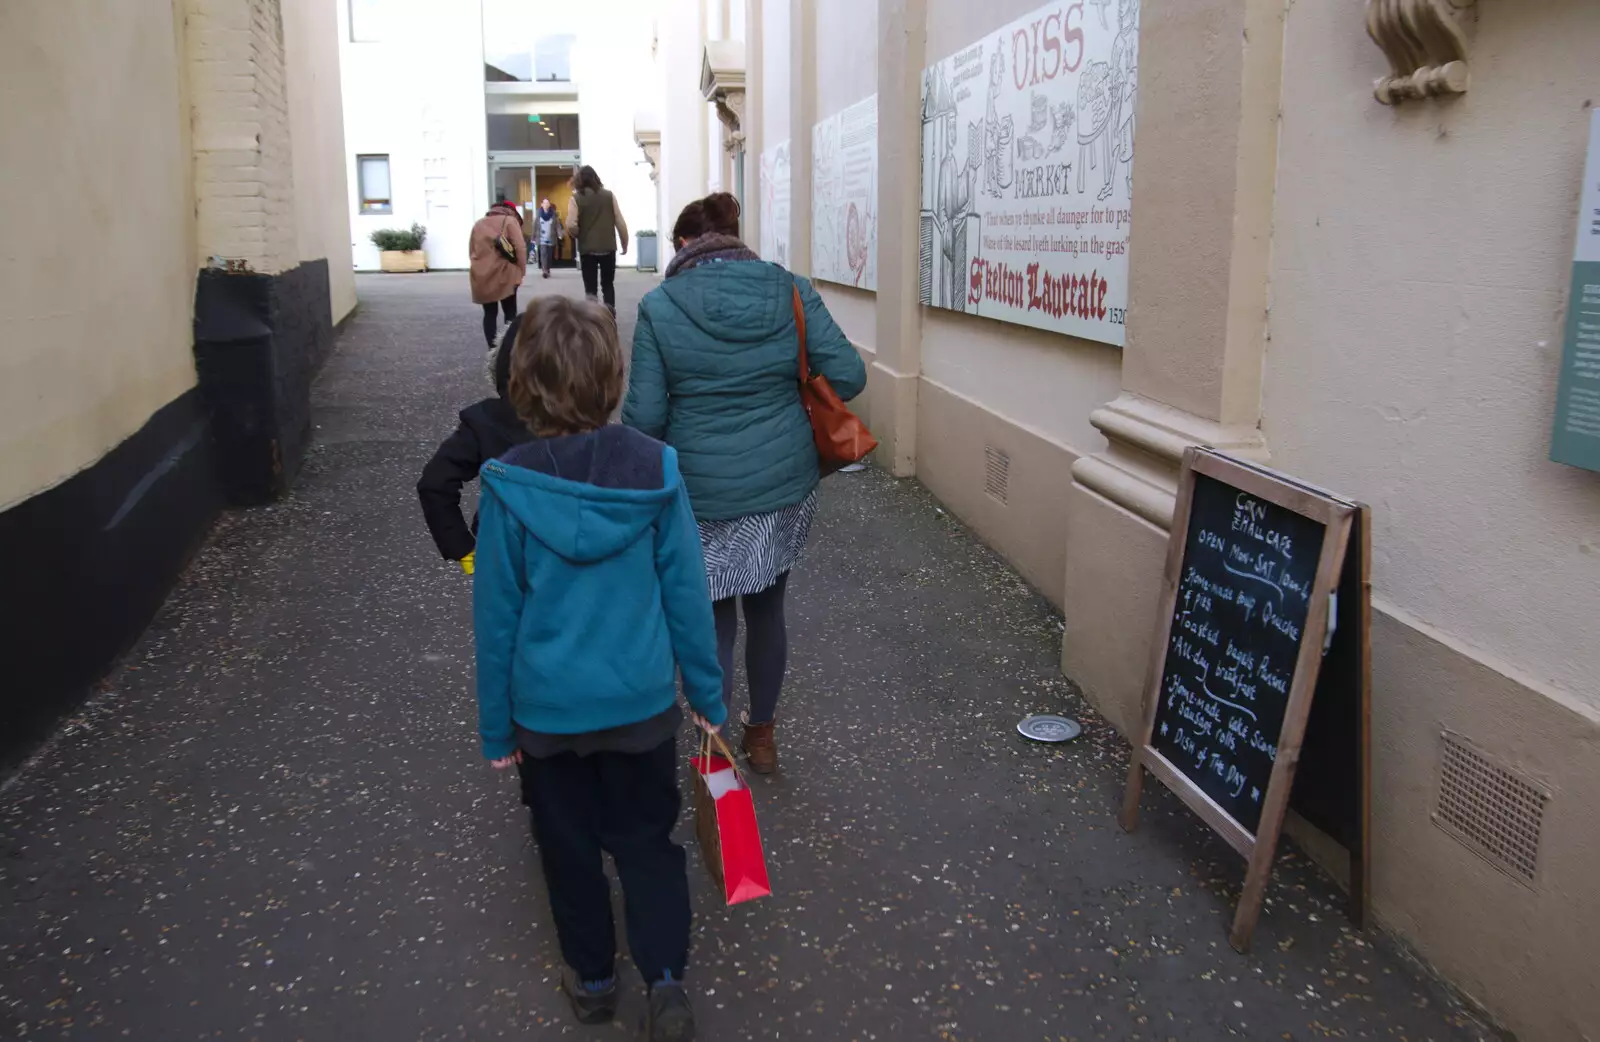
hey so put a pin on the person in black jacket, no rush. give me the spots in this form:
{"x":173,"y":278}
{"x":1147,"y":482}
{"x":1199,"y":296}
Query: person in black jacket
{"x":488,"y":430}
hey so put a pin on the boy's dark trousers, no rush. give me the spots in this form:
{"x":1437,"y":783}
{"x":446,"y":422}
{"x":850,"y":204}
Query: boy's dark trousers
{"x":626,"y":804}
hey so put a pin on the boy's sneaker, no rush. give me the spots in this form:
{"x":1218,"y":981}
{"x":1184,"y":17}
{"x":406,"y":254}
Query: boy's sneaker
{"x":593,"y":1002}
{"x":670,"y":1018}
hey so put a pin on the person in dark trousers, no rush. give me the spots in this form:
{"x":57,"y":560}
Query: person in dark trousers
{"x":716,"y":374}
{"x":487,"y":429}
{"x":549,"y":229}
{"x":593,"y":211}
{"x":498,"y":253}
{"x":590,"y":600}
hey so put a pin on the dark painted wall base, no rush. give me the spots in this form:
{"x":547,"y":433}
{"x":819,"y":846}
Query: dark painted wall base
{"x":258,"y":341}
{"x":88,"y":563}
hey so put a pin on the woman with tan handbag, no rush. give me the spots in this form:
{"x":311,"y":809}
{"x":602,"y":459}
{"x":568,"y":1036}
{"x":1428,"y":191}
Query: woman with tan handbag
{"x":717,"y":374}
{"x":499,"y":256}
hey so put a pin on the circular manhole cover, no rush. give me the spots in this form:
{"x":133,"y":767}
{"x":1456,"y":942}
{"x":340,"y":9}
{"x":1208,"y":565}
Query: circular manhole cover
{"x":1046,"y":728}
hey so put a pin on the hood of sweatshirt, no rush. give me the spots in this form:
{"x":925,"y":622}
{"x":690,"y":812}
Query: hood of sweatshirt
{"x":587,"y":497}
{"x":735,"y":301}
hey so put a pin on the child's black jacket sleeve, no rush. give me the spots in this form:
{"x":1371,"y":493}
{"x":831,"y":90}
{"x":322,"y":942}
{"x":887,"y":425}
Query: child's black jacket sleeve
{"x":455,"y":464}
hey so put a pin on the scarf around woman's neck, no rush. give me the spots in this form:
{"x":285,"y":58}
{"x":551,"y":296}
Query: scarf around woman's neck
{"x":708,"y":249}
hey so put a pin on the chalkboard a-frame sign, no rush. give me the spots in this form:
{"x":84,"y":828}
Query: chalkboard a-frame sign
{"x":1261,"y":665}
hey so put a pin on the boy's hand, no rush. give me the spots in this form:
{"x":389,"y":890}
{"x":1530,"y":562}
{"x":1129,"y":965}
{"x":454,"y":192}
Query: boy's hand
{"x":467,"y":563}
{"x":507,"y":761}
{"x":700,"y":722}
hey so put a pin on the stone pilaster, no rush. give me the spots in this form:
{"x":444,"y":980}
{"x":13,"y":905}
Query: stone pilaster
{"x":897,"y":369}
{"x":802,"y":116}
{"x":1199,"y":259}
{"x":754,"y":133}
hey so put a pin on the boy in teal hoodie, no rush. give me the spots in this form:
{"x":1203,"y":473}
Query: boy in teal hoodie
{"x":590,"y":600}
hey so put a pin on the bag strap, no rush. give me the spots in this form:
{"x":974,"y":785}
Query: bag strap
{"x":710,"y":740}
{"x":800,"y":327}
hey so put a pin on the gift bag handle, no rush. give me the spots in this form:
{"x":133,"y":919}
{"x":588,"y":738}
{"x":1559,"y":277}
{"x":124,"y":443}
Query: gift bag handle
{"x":707,"y":739}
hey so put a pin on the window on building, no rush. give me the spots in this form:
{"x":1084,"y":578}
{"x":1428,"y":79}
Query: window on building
{"x":507,"y":59}
{"x":552,"y":59}
{"x":519,"y":133}
{"x":366,"y":20}
{"x":372,"y":176}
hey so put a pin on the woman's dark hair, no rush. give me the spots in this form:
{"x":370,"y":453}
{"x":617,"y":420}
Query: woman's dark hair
{"x":586,"y":179}
{"x":691,"y":224}
{"x":722,"y":213}
{"x":567,"y":369}
{"x":716,"y":214}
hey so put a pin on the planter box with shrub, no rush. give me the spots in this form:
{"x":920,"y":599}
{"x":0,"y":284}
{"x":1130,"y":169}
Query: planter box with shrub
{"x":401,"y":249}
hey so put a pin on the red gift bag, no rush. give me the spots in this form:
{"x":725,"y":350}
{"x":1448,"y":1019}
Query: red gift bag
{"x":725,"y":823}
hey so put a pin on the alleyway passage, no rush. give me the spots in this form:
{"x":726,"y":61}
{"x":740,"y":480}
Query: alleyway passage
{"x":273,"y":824}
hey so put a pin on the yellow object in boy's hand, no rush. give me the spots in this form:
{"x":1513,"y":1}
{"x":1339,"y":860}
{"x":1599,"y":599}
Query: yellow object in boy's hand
{"x":467,"y":564}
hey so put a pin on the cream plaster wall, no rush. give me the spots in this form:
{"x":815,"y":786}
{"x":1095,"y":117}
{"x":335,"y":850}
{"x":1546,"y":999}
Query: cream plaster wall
{"x":953,"y":24}
{"x":854,"y":310}
{"x":316,"y":131}
{"x":681,"y":177}
{"x":1043,"y":381}
{"x":846,"y":54}
{"x":1420,"y":267}
{"x":775,"y":72}
{"x":98,"y":224}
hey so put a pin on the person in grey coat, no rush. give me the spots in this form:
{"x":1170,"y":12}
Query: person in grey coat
{"x":547,"y":230}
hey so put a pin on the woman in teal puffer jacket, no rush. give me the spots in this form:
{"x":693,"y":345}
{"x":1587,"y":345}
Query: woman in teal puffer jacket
{"x":715,"y":375}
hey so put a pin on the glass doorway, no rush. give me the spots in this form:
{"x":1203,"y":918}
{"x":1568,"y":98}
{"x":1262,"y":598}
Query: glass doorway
{"x":528,"y":186}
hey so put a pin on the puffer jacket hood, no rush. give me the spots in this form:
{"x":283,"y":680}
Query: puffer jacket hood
{"x":716,"y":374}
{"x":575,"y":518}
{"x":748,"y":302}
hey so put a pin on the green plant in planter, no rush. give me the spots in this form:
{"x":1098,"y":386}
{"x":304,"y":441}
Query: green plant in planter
{"x":399,"y":238}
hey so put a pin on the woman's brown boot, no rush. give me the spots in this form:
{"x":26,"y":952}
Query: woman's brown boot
{"x":760,"y":747}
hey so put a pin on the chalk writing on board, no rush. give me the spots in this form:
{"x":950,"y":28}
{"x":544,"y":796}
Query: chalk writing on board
{"x":1243,"y":598}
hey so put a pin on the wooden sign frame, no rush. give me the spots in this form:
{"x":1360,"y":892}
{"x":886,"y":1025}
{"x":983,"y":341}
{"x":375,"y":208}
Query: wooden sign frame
{"x":1348,"y":666}
{"x":1258,"y":849}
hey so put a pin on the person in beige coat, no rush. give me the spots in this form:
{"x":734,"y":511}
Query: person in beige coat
{"x":597,"y":220}
{"x":496,"y":277}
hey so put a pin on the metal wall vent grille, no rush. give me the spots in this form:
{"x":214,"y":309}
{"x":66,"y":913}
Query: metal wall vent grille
{"x":996,"y":473}
{"x":1495,"y":813}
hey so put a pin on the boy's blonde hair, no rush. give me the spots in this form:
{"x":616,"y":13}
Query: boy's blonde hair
{"x":567,"y":372}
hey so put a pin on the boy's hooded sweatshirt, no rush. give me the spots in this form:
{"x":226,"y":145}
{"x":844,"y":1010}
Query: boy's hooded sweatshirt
{"x":590,"y":593}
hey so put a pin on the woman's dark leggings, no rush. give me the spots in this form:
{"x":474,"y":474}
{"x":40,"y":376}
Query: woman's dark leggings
{"x":490,"y":326}
{"x":766,"y":647}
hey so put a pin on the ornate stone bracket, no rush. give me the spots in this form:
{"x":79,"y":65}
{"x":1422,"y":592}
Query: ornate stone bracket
{"x":649,"y":141}
{"x":1426,"y":48}
{"x":722,"y":84}
{"x":1138,"y":470}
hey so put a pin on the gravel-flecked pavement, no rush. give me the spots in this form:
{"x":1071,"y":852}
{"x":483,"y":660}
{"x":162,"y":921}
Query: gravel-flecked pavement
{"x":274,"y":824}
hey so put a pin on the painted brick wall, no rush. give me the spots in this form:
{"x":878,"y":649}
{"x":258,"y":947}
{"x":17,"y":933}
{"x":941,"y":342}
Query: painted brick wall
{"x":243,"y":163}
